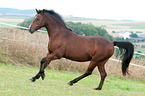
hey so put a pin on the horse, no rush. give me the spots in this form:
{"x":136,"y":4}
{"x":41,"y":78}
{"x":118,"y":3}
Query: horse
{"x":64,"y":43}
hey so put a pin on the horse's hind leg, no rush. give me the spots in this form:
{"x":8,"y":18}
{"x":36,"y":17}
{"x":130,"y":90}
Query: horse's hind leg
{"x":103,"y":74}
{"x":91,"y":67}
{"x":89,"y":72}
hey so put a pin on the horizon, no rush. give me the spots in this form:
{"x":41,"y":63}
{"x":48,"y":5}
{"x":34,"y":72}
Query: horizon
{"x":65,"y":16}
{"x":98,"y":9}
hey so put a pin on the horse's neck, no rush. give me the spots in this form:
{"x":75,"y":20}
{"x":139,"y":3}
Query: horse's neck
{"x":54,"y":27}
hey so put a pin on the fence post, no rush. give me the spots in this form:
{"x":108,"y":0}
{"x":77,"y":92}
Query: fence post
{"x":26,"y":36}
{"x":14,"y":36}
{"x":7,"y":52}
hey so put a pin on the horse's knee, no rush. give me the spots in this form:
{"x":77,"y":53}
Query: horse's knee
{"x":43,"y":60}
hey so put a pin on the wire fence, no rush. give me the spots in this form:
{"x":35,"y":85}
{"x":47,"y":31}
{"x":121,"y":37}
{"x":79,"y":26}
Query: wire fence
{"x":3,"y":38}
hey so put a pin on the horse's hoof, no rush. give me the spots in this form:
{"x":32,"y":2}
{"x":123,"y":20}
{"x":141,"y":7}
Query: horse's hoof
{"x":43,"y":77}
{"x":97,"y":88}
{"x":32,"y":80}
{"x":70,"y":83}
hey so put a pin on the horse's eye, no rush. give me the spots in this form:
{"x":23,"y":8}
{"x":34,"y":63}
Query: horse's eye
{"x":37,"y":19}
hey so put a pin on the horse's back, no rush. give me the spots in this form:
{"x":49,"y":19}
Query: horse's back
{"x":83,"y":48}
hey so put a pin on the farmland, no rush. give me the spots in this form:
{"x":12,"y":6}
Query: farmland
{"x":109,"y":25}
{"x":11,"y":20}
{"x":14,"y":81}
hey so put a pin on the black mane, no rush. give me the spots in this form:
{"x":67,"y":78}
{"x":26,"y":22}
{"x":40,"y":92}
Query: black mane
{"x":55,"y":15}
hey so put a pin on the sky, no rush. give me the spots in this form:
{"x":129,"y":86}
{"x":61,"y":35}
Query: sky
{"x":98,"y":9}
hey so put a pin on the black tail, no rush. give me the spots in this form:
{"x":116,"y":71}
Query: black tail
{"x":128,"y":54}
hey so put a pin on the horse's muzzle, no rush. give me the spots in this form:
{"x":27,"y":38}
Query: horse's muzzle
{"x":31,"y":30}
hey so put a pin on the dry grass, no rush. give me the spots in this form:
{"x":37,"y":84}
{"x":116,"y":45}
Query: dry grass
{"x":27,"y":49}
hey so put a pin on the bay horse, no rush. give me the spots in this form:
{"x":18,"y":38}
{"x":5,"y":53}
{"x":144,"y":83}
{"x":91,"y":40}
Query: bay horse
{"x":63,"y":42}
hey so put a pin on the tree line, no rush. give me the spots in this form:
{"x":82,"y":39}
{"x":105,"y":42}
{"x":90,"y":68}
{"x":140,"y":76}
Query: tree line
{"x":78,"y":28}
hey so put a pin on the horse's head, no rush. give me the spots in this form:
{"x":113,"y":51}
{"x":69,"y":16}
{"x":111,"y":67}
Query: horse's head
{"x":38,"y":22}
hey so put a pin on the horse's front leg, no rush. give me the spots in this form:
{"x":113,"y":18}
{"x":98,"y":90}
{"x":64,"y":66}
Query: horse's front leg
{"x":44,"y":63}
{"x":41,"y":73}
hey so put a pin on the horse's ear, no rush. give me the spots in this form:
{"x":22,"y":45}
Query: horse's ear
{"x":37,"y":11}
{"x":43,"y":11}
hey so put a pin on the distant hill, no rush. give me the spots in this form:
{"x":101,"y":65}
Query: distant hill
{"x":11,"y":11}
{"x":126,"y":20}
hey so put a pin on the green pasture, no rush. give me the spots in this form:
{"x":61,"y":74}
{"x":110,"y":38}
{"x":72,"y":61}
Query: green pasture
{"x":14,"y":82}
{"x":7,"y":26}
{"x":140,"y":49}
{"x":133,"y":25}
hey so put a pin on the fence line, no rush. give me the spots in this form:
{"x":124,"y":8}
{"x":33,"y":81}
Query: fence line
{"x":45,"y":46}
{"x":22,"y":42}
{"x":20,"y":27}
{"x":46,"y":32}
{"x":130,"y":63}
{"x":134,"y":52}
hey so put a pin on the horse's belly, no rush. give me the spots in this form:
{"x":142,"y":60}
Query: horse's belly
{"x":78,"y":55}
{"x":78,"y":59}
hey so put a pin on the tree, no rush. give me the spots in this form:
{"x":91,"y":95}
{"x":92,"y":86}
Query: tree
{"x":133,"y":35}
{"x":88,"y":30}
{"x":26,"y":23}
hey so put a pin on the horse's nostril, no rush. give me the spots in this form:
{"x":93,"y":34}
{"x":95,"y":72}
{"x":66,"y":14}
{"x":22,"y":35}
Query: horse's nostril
{"x":31,"y":30}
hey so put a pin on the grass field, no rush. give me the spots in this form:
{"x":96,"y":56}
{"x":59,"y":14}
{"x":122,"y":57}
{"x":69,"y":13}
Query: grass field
{"x":14,"y":20}
{"x":14,"y":82}
{"x":6,"y":26}
{"x":135,"y":25}
{"x":112,"y":24}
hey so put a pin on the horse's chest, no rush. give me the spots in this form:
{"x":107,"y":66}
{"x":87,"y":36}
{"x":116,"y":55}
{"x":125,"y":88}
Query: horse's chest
{"x":53,"y":46}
